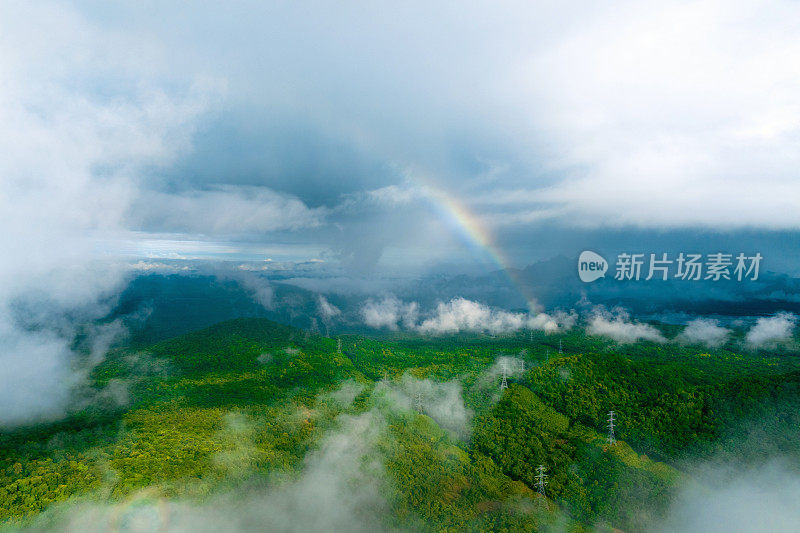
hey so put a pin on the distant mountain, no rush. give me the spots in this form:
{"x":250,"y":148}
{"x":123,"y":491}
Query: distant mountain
{"x":554,"y":284}
{"x":157,"y":307}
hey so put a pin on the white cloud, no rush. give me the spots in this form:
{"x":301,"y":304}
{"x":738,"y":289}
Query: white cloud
{"x":645,"y":113}
{"x":327,"y":312}
{"x":704,"y":331}
{"x":346,"y":393}
{"x":668,"y":111}
{"x":441,"y":400}
{"x":395,"y":195}
{"x":552,"y":322}
{"x":767,"y":331}
{"x":76,"y":131}
{"x":343,"y":475}
{"x":157,"y":266}
{"x":389,"y":196}
{"x":226,"y":210}
{"x":389,"y":313}
{"x":766,"y":498}
{"x":35,"y":380}
{"x":326,"y":309}
{"x":460,"y":314}
{"x":488,"y":382}
{"x":618,"y":326}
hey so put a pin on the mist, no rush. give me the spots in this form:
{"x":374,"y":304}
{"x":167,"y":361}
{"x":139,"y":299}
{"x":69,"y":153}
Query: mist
{"x":459,"y":315}
{"x":768,"y":331}
{"x":340,"y":487}
{"x":741,"y":499}
{"x":442,"y":401}
{"x":617,"y":325}
{"x":342,"y":484}
{"x":704,"y":331}
{"x":68,"y":178}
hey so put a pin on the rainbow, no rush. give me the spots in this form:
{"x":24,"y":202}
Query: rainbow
{"x":474,"y":232}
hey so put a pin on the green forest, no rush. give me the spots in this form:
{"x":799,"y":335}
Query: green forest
{"x":415,"y":432}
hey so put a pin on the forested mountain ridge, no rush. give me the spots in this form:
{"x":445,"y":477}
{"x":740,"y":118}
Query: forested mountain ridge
{"x":253,"y":407}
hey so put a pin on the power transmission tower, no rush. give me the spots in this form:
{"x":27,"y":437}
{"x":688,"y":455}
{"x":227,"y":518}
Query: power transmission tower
{"x":611,"y":438}
{"x":339,"y":345}
{"x":560,"y":348}
{"x":522,"y":365}
{"x":531,"y":332}
{"x":504,"y":381}
{"x":541,"y":480}
{"x":418,"y":402}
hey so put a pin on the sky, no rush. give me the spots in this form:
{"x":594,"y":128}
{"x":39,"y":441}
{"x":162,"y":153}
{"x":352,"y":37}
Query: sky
{"x":403,"y":136}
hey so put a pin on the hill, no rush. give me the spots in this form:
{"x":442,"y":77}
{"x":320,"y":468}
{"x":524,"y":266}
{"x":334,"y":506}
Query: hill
{"x":250,"y":409}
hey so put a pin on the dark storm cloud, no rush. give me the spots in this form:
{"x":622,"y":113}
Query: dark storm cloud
{"x":539,"y":119}
{"x":260,"y":147}
{"x":324,"y":102}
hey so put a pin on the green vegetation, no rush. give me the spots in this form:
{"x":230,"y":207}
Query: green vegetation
{"x":250,"y":400}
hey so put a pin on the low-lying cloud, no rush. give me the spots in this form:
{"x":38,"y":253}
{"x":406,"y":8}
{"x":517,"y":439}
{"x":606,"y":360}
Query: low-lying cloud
{"x":259,"y":287}
{"x":618,"y":326}
{"x":763,"y":498}
{"x":327,"y":310}
{"x":390,"y":313}
{"x":69,"y":173}
{"x":342,"y":485}
{"x":768,"y":331}
{"x":442,"y":401}
{"x":340,"y":488}
{"x":704,"y":331}
{"x":460,"y":315}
